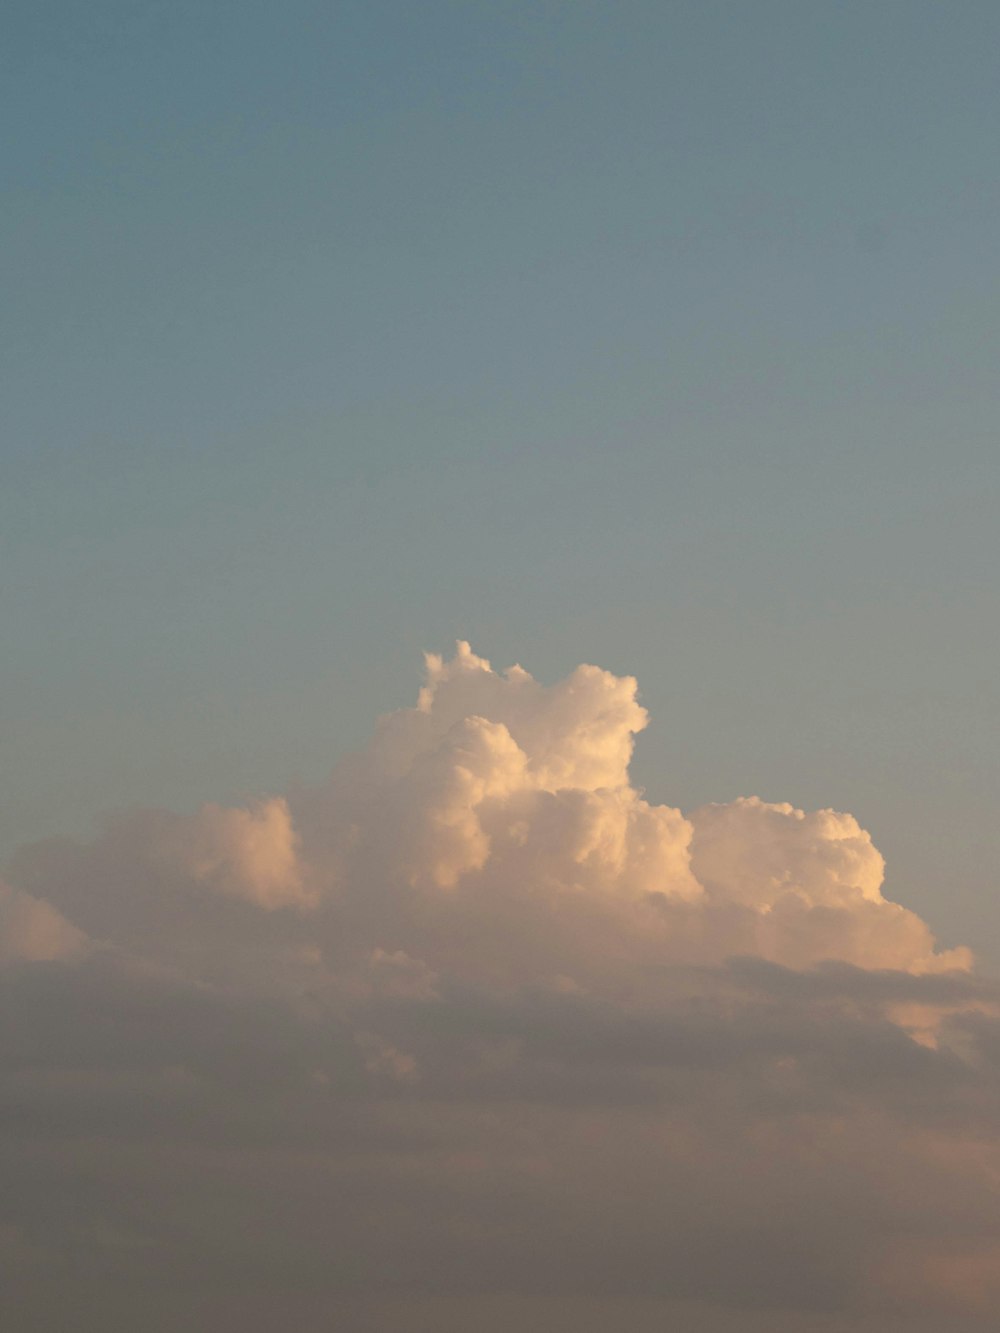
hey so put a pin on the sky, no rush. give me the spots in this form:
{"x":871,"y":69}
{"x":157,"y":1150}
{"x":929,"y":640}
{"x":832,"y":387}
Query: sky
{"x":654,"y":336}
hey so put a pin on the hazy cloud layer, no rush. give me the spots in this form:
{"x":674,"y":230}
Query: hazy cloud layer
{"x":476,"y":1036}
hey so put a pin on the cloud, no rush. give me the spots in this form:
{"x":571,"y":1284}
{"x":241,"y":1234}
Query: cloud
{"x":475,"y":1027}
{"x":249,"y":854}
{"x":32,"y":930}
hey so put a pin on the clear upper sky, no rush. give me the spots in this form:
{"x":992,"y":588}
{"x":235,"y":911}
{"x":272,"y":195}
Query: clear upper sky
{"x":660,"y":335}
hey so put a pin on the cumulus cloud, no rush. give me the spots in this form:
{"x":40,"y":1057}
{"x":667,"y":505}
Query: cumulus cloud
{"x":476,"y":1028}
{"x":249,"y":854}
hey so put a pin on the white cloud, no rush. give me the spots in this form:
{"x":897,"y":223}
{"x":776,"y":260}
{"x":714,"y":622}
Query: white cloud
{"x":516,"y":797}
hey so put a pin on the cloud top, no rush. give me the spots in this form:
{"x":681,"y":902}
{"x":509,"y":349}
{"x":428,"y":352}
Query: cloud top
{"x":496,"y":787}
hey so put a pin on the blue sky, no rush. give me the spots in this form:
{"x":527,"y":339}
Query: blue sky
{"x":660,"y":335}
